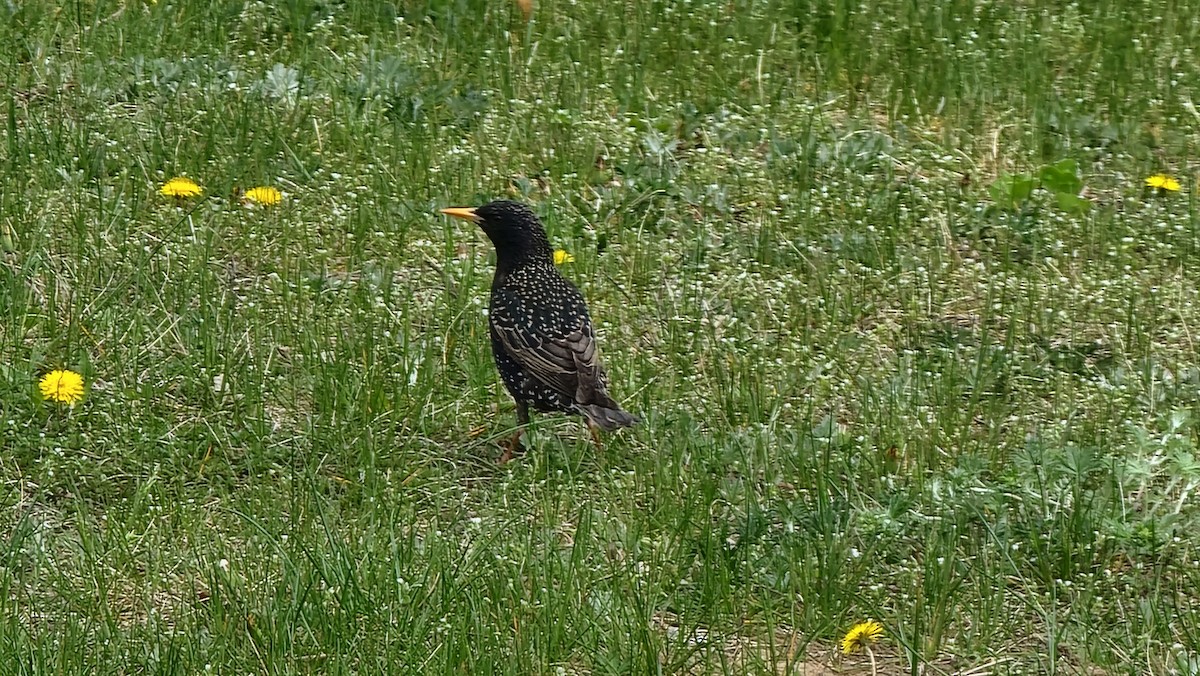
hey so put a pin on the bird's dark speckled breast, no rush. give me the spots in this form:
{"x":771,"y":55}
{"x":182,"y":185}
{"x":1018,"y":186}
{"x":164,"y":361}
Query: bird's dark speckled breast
{"x":525,"y":388}
{"x":539,"y":304}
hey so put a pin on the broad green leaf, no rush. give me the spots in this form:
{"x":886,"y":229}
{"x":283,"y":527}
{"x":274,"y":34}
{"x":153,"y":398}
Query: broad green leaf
{"x":1010,"y":191}
{"x":1061,"y":177}
{"x":1072,"y":203}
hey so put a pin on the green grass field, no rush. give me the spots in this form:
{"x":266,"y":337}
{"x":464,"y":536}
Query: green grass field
{"x":912,"y":339}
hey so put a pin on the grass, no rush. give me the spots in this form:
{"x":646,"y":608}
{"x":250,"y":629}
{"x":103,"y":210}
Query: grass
{"x":872,"y":385}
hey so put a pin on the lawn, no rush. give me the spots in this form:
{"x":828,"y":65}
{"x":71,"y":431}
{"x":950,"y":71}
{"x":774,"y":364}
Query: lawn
{"x":909,"y":331}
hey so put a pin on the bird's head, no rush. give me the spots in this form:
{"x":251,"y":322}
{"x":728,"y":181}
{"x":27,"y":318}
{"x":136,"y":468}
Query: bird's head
{"x":513,"y":228}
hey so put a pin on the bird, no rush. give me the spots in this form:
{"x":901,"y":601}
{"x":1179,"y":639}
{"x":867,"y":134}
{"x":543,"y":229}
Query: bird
{"x":543,"y":341}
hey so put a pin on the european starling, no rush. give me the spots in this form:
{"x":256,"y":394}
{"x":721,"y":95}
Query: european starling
{"x":542,"y":337}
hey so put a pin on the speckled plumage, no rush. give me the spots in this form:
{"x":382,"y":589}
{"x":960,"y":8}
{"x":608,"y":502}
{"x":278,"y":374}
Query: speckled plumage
{"x":542,"y":336}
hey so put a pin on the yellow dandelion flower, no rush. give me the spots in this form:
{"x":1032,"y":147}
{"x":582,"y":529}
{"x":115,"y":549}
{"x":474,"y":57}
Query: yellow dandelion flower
{"x":861,"y":635}
{"x":264,"y":195}
{"x":1163,"y":182}
{"x":62,"y":386}
{"x":563,"y":256}
{"x":181,"y":186}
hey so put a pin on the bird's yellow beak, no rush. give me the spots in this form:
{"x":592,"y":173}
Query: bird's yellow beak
{"x":465,"y":213}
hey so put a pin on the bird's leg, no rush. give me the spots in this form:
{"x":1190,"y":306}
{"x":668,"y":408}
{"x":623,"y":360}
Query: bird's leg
{"x":513,"y":443}
{"x":595,"y":430}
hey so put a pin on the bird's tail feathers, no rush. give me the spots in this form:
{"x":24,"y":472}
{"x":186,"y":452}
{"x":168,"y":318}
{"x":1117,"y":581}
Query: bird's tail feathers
{"x":608,"y":419}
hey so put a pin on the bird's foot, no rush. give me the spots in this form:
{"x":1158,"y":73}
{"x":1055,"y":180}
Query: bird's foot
{"x":511,"y":447}
{"x":595,"y":430}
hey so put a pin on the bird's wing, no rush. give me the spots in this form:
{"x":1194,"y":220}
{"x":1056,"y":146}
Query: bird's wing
{"x":565,"y":360}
